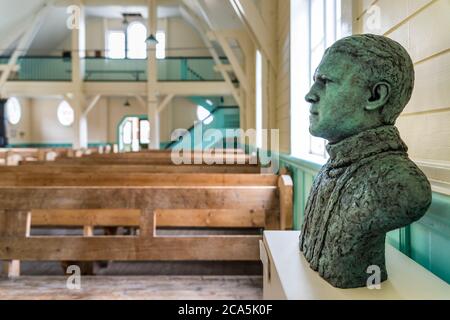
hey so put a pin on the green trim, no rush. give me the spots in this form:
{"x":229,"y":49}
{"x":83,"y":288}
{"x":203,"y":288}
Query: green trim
{"x":405,"y":240}
{"x":163,"y":145}
{"x":312,"y":167}
{"x":184,"y":69}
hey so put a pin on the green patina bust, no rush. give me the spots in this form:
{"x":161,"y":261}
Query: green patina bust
{"x":369,"y":186}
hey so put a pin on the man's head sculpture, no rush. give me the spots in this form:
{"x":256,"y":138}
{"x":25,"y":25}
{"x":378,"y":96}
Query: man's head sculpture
{"x":369,"y":186}
{"x":363,"y":82}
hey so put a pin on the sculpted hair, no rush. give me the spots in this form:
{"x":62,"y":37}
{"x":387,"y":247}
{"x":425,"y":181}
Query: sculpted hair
{"x":382,"y":59}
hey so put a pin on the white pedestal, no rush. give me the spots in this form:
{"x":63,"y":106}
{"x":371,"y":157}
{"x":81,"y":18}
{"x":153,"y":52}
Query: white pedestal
{"x":287,"y":275}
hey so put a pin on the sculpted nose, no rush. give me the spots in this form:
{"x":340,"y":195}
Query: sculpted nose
{"x":312,"y":97}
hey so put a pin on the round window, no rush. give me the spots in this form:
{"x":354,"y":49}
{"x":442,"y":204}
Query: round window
{"x":204,"y":115}
{"x":13,"y":111}
{"x":65,"y":114}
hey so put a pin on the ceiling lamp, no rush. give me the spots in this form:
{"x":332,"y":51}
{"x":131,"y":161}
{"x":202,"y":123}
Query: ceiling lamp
{"x":151,"y":40}
{"x":127,"y":104}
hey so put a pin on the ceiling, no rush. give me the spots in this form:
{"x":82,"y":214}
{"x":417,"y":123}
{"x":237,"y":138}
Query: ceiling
{"x":54,"y":30}
{"x":115,"y":12}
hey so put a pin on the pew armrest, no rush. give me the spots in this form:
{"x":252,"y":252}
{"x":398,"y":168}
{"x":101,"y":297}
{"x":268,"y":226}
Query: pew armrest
{"x":286,"y":188}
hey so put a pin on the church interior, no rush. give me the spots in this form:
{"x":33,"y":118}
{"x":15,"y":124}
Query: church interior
{"x":159,"y":149}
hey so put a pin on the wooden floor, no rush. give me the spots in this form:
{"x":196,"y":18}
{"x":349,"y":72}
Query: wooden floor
{"x":134,"y":287}
{"x":182,"y":280}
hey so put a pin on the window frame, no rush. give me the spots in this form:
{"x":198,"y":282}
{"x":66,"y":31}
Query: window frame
{"x":161,"y":45}
{"x":127,"y":39}
{"x":58,"y":115}
{"x":108,"y":51}
{"x":208,"y":119}
{"x":259,"y":98}
{"x":13,"y":100}
{"x":301,"y":140}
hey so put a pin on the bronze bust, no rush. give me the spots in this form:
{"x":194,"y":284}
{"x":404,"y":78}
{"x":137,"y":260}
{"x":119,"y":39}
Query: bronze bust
{"x":369,"y":186}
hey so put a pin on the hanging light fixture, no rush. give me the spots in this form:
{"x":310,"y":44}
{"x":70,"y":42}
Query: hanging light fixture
{"x":151,"y":40}
{"x":127,"y":103}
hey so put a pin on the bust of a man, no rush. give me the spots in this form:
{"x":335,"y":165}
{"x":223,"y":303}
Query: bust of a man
{"x":369,"y":186}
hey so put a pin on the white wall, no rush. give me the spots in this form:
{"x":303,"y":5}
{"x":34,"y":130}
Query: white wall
{"x":98,"y":123}
{"x":180,"y":113}
{"x":183,"y":39}
{"x":184,"y":113}
{"x":117,"y":111}
{"x":40,"y":125}
{"x":44,"y":122}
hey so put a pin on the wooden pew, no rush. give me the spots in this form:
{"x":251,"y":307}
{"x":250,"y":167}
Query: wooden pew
{"x":164,"y":158}
{"x":62,"y":168}
{"x":238,"y":151}
{"x":3,"y":156}
{"x":206,"y":200}
{"x":15,"y":156}
{"x":151,"y":160}
{"x":12,"y":156}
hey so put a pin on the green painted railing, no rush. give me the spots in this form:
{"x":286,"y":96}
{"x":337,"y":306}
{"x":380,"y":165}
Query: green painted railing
{"x":426,"y":241}
{"x":41,"y":69}
{"x":223,"y":118}
{"x":104,"y":69}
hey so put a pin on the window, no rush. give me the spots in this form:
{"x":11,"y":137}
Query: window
{"x":134,"y":134}
{"x":259,"y":105}
{"x":128,"y":132}
{"x":13,"y":111}
{"x":161,"y":46}
{"x":321,"y":19}
{"x":204,"y":115}
{"x":136,"y":36}
{"x":116,"y":45}
{"x":144,"y":131}
{"x":65,"y":114}
{"x":136,"y":46}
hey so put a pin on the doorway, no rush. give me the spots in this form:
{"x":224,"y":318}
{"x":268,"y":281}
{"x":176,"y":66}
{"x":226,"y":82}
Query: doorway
{"x":133,"y":134}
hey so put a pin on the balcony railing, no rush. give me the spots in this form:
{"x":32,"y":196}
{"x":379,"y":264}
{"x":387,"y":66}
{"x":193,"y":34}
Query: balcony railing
{"x":41,"y":69}
{"x":104,"y":69}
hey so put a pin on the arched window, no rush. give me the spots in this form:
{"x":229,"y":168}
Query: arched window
{"x":116,"y":45}
{"x":13,"y":111}
{"x":65,"y":114}
{"x":204,"y":115}
{"x":136,"y":35}
{"x":161,"y":46}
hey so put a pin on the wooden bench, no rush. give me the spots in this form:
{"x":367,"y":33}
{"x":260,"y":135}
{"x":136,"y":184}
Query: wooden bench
{"x":12,"y":156}
{"x":152,"y":160}
{"x":62,"y":168}
{"x":144,"y":200}
{"x":15,"y":156}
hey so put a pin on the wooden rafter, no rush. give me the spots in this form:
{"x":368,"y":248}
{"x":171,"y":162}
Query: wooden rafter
{"x":165,"y":102}
{"x":250,"y":16}
{"x":92,"y":103}
{"x":234,"y":61}
{"x":203,"y":30}
{"x":25,"y":41}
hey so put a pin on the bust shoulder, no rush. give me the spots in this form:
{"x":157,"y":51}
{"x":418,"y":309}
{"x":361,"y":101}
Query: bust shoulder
{"x":391,"y":189}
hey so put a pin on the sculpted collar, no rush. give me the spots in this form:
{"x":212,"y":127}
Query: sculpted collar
{"x":365,"y":144}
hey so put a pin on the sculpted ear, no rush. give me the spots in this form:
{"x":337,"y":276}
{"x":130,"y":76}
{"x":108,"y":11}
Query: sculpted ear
{"x":381,"y":92}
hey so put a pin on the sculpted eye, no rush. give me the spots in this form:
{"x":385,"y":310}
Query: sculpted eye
{"x":325,"y":80}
